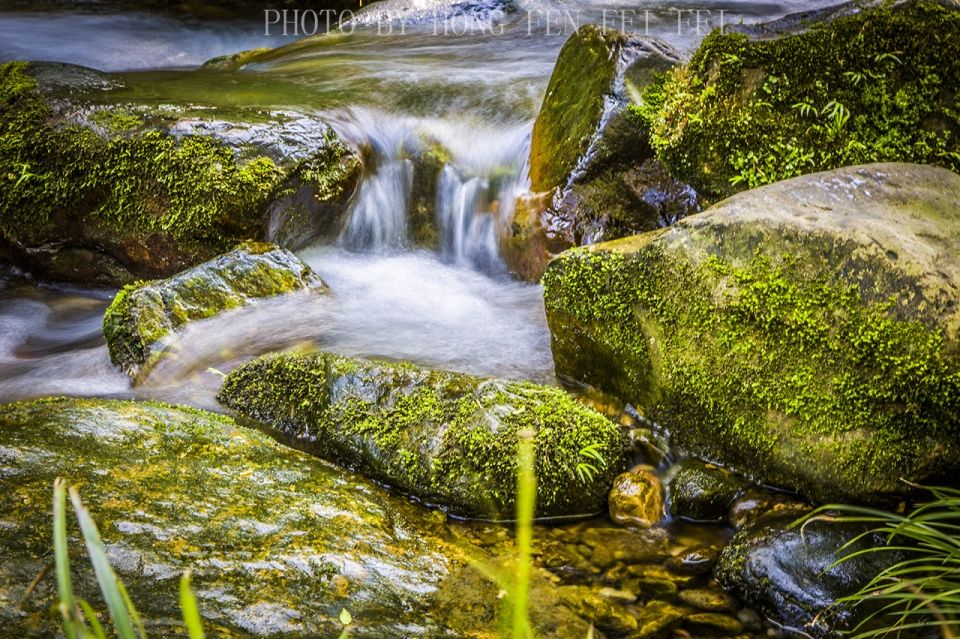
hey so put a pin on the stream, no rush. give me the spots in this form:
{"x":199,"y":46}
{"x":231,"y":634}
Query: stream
{"x":456,"y":308}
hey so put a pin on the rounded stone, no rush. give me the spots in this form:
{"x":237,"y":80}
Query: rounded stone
{"x":708,"y":599}
{"x":636,"y":499}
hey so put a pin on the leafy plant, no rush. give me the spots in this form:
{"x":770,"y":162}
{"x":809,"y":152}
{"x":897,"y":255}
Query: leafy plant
{"x":921,"y":591}
{"x":80,"y":621}
{"x":586,"y":470}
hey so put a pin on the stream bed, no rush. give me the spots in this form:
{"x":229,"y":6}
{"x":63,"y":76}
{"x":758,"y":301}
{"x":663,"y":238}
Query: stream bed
{"x":454,"y":309}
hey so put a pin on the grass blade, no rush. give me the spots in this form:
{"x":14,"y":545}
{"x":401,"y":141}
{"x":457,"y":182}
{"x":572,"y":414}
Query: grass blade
{"x":103,"y":570}
{"x":526,"y":503}
{"x":191,"y":612}
{"x":73,"y":627}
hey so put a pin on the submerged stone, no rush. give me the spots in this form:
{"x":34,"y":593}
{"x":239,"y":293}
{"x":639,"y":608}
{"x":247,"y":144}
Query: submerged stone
{"x":143,"y":314}
{"x":702,"y":492}
{"x":636,"y":499}
{"x":804,"y":334}
{"x":592,"y":171}
{"x":278,"y":542}
{"x":449,"y":439}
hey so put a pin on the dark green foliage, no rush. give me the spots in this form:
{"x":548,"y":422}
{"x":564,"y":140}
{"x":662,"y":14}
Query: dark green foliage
{"x":877,"y":86}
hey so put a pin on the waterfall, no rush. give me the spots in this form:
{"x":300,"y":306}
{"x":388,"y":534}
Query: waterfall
{"x":468,"y":223}
{"x":475,"y":188}
{"x":378,"y":217}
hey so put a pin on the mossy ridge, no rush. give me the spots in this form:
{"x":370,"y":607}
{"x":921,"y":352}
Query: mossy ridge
{"x":145,"y":312}
{"x":878,"y":85}
{"x":762,"y":365}
{"x":269,"y":533}
{"x":447,"y":438}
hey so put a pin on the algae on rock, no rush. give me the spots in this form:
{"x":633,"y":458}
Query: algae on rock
{"x":592,"y":171}
{"x":102,"y":194}
{"x":447,"y":438}
{"x":278,"y":542}
{"x":863,"y":85}
{"x":805,"y":334}
{"x":143,"y":314}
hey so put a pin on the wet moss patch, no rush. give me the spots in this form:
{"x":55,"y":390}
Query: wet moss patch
{"x":877,"y":85}
{"x":447,"y":438}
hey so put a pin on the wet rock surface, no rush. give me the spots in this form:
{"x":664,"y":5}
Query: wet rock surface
{"x":702,"y":492}
{"x":278,"y":542}
{"x":143,"y":315}
{"x":593,"y":175}
{"x":787,"y":572}
{"x":448,"y":438}
{"x":636,"y":499}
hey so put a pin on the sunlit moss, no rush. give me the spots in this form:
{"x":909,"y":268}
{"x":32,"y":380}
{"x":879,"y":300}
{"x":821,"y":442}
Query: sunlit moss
{"x":444,"y":437}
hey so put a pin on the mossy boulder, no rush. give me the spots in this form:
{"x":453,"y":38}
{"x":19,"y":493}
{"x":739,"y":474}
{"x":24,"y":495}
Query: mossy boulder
{"x":804,"y":95}
{"x":804,"y":334}
{"x":101,"y":193}
{"x":144,"y":314}
{"x":278,"y":542}
{"x":791,"y":573}
{"x":592,"y":171}
{"x":447,"y":438}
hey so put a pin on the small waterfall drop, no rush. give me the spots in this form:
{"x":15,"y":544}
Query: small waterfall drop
{"x":474,"y":185}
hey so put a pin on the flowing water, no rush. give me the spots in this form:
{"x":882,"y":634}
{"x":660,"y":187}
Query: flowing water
{"x":474,"y":95}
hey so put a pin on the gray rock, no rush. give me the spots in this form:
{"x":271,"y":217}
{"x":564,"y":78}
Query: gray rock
{"x":804,"y":334}
{"x":788,"y":573}
{"x":142,"y":316}
{"x":278,"y":542}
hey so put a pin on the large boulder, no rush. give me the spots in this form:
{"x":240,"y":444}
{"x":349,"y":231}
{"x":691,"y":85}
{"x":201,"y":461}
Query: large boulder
{"x":592,"y":171}
{"x":143,"y":315}
{"x":848,"y":85}
{"x":447,"y":438}
{"x":804,"y":334}
{"x":98,"y":188}
{"x":278,"y":542}
{"x":791,"y":574}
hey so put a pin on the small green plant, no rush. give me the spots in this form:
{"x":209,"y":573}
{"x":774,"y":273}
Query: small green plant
{"x":80,"y":621}
{"x":586,"y":470}
{"x":920,"y":591}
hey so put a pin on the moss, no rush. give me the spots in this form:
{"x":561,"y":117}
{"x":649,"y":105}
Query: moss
{"x":144,"y":313}
{"x":59,"y":176}
{"x":785,"y":373}
{"x":875,"y":86}
{"x":572,"y":106}
{"x":444,"y":437}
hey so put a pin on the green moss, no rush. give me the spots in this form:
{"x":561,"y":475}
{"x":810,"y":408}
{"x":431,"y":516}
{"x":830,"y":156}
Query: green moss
{"x":572,"y":106}
{"x":445,"y":437}
{"x":143,"y":313}
{"x":876,"y":86}
{"x":787,"y":374}
{"x":275,"y":539}
{"x":192,"y":190}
